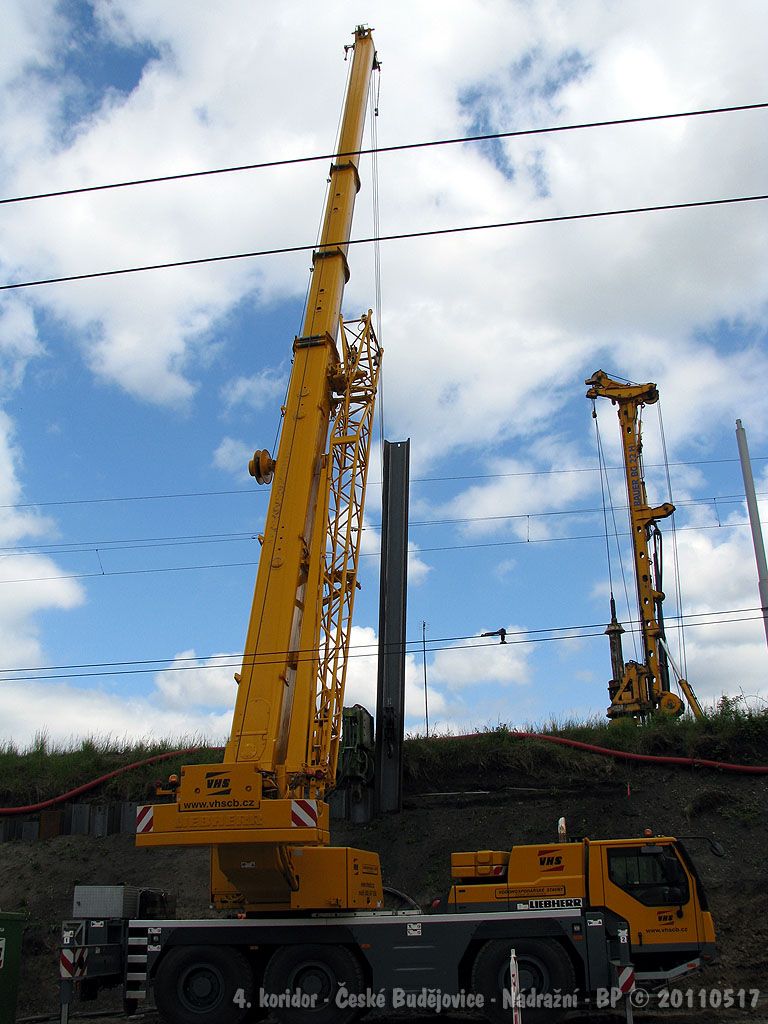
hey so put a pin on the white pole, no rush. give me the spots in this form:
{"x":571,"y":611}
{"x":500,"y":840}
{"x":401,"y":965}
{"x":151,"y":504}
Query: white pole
{"x":514,"y":989}
{"x":754,"y":519}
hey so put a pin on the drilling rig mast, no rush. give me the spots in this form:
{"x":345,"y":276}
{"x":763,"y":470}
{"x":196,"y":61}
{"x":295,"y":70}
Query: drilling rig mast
{"x":638,"y":689}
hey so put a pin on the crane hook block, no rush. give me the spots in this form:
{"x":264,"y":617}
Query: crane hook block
{"x":262,"y":466}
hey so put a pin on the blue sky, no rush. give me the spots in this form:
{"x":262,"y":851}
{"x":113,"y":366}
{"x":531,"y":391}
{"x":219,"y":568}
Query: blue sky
{"x":130,"y":404}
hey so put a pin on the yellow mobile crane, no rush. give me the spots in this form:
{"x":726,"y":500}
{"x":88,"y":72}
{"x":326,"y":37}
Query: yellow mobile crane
{"x":262,"y":809}
{"x":306,"y":937}
{"x":638,"y":689}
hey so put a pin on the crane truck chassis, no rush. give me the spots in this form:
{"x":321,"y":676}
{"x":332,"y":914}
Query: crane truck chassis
{"x":584,"y":918}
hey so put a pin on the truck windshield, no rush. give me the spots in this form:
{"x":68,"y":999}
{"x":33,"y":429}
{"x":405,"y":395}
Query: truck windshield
{"x":654,"y":877}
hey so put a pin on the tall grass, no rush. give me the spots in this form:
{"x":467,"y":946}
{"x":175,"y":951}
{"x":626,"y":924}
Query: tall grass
{"x":731,"y":732}
{"x":46,"y":769}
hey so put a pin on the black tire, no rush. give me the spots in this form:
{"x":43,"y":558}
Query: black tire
{"x":204,"y":985}
{"x":543,"y":966}
{"x":316,"y":973}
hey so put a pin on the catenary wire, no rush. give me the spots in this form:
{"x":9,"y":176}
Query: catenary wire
{"x":383,"y":149}
{"x":394,"y":237}
{"x":416,"y":479}
{"x":363,"y":651}
{"x":364,"y":554}
{"x":183,"y":540}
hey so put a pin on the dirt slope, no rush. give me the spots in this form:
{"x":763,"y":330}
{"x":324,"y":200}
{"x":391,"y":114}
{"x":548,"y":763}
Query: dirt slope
{"x":415,"y":846}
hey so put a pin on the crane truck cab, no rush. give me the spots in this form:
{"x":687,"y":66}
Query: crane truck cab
{"x":647,"y":886}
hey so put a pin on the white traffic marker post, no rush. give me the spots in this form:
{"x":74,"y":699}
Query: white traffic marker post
{"x":626,"y":984}
{"x":514,"y":989}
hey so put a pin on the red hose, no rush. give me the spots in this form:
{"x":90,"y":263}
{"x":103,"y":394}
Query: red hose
{"x":691,"y":762}
{"x":625,"y":755}
{"x":97,"y":782}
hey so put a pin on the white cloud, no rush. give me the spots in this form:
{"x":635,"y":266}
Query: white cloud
{"x":30,"y":585}
{"x":73,"y":712}
{"x":362,"y":680}
{"x":19,"y":342}
{"x":232,"y":456}
{"x":479,"y":661}
{"x":194,"y":683}
{"x":418,"y":569}
{"x":488,"y":336}
{"x":257,"y":392}
{"x":563,"y":298}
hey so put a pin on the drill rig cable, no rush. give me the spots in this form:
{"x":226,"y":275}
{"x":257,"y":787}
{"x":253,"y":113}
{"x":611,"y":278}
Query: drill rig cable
{"x":612,"y":507}
{"x":675,"y":553}
{"x":603,"y":480}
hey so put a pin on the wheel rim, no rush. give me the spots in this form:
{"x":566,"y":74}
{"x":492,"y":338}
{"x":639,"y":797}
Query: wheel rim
{"x":533,"y":975}
{"x":200,"y":988}
{"x":314,"y":978}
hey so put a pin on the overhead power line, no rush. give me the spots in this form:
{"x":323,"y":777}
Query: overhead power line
{"x":399,"y":236}
{"x":191,"y":663}
{"x":491,"y":136}
{"x":104,"y":574}
{"x":184,"y":540}
{"x":138,"y":497}
{"x":415,"y":479}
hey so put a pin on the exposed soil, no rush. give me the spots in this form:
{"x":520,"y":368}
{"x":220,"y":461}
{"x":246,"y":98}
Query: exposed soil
{"x":39,"y":877}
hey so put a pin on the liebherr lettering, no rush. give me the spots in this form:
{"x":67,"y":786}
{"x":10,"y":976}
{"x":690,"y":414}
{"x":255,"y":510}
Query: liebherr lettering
{"x":573,"y":903}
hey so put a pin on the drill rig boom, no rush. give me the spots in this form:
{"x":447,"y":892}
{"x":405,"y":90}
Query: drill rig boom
{"x":639,"y":689}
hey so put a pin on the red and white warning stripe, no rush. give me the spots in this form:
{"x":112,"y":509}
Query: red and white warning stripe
{"x":626,"y":979}
{"x":145,"y":821}
{"x":73,"y":962}
{"x":303,"y":813}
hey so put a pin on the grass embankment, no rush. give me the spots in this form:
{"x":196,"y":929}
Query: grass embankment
{"x":731,"y":733}
{"x":46,"y":770}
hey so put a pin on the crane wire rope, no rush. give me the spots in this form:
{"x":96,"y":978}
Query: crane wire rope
{"x":258,"y":614}
{"x":373,"y":101}
{"x":601,"y":471}
{"x":613,"y":507}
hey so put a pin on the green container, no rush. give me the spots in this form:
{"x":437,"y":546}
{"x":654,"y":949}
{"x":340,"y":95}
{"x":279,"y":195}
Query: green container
{"x":11,"y":927}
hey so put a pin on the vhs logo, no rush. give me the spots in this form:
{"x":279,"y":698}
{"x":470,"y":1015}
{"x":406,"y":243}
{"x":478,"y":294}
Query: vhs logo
{"x":550,"y":860}
{"x":218,"y":783}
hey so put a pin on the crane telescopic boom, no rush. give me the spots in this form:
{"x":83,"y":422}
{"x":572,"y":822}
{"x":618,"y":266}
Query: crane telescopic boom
{"x":262,"y":810}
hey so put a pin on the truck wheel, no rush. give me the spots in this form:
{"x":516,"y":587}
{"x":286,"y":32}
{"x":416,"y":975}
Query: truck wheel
{"x":319,"y":979}
{"x":204,"y":985}
{"x":543,"y":967}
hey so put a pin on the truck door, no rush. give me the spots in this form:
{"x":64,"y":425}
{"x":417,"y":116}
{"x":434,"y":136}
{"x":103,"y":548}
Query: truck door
{"x":648,"y":885}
